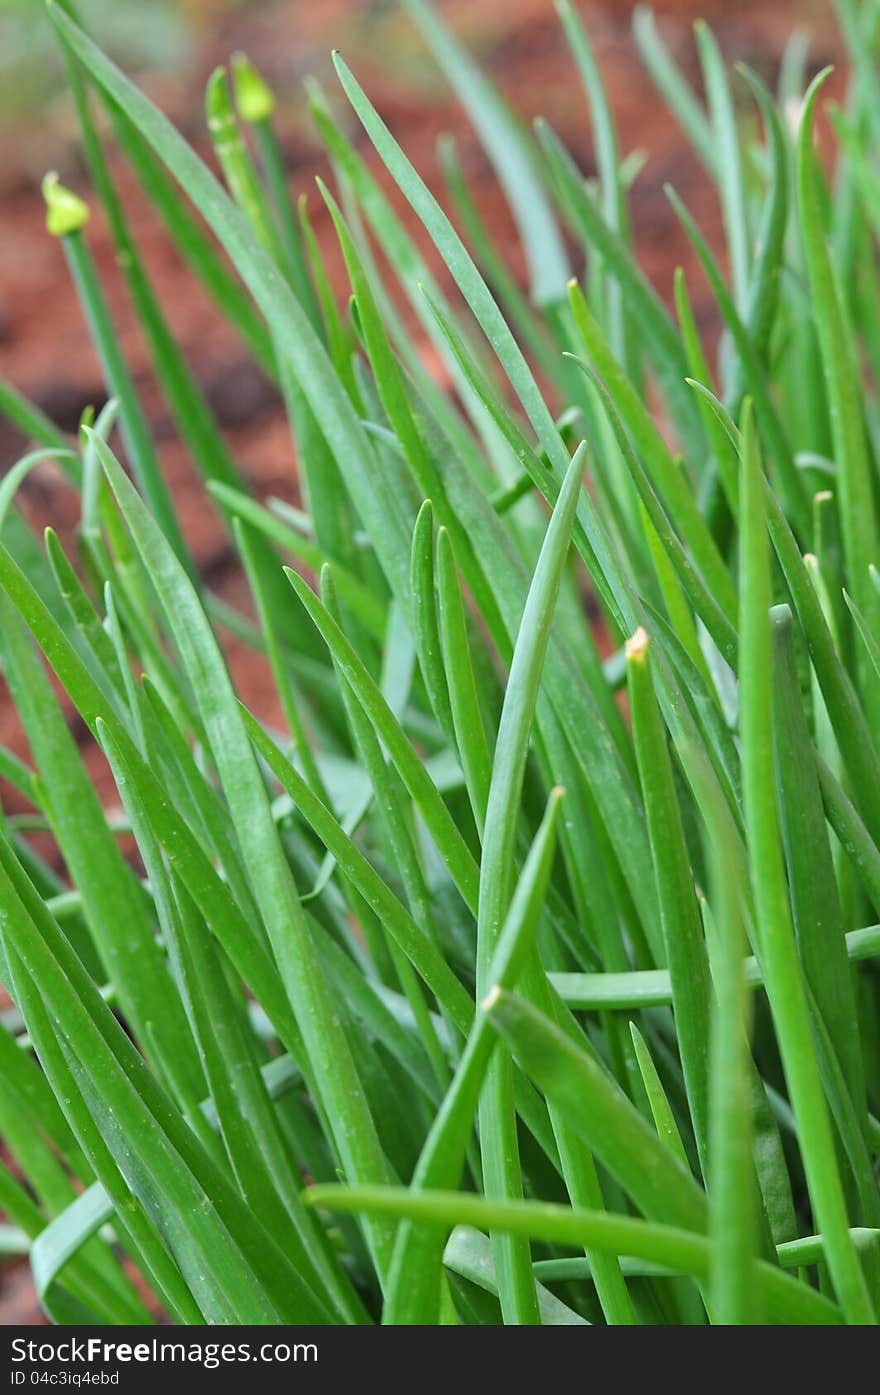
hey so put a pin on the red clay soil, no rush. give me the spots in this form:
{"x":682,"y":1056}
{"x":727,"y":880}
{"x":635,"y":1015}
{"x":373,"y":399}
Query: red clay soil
{"x":44,"y":348}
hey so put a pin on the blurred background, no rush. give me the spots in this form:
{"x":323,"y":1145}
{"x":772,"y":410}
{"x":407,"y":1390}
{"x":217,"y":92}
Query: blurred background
{"x":171,"y":46}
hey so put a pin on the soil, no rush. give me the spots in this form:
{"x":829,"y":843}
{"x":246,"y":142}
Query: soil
{"x":44,"y":348}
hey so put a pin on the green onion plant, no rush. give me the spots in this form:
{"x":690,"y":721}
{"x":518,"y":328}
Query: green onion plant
{"x":525,"y":971}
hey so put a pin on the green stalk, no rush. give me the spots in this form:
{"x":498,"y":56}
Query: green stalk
{"x":777,"y":949}
{"x":683,"y":1251}
{"x":731,"y":1177}
{"x":66,"y":218}
{"x":412,"y":1292}
{"x":498,"y":1142}
{"x":842,"y":383}
{"x":679,"y":913}
{"x":255,"y":102}
{"x":815,"y":901}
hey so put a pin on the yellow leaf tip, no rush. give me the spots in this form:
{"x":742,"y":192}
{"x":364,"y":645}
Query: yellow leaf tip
{"x":66,"y":212}
{"x":254,"y":97}
{"x":637,"y":645}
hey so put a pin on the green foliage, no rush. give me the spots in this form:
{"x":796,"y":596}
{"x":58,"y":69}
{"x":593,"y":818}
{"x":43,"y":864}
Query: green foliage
{"x":30,"y":62}
{"x":532,"y":987}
